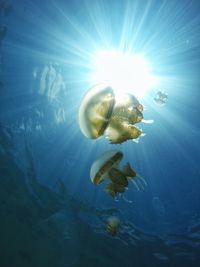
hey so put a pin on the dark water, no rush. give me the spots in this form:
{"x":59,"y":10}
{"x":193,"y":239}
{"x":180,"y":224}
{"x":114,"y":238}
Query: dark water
{"x":50,"y":212}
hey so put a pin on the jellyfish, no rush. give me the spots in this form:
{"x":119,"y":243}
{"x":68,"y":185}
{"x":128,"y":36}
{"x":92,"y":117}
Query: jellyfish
{"x":107,"y":167}
{"x":100,"y":113}
{"x":161,"y":98}
{"x":158,"y":206}
{"x":113,"y":224}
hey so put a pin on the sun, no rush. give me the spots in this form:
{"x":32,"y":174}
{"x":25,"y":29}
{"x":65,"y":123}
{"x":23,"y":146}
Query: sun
{"x":125,"y":72}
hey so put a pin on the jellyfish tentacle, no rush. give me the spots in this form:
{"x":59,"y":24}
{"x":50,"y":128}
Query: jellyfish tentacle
{"x":148,"y":121}
{"x":140,"y":184}
{"x":135,"y":185}
{"x":140,"y":178}
{"x":116,"y":199}
{"x":126,"y":199}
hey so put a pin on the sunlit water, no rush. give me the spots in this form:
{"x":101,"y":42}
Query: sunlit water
{"x":51,"y":213}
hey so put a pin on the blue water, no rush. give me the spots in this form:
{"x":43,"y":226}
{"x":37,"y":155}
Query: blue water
{"x":51,"y":213}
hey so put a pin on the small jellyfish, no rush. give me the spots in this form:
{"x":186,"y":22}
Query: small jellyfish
{"x":112,"y":226}
{"x":158,"y":206}
{"x":161,"y":98}
{"x":107,"y":167}
{"x":101,"y":114}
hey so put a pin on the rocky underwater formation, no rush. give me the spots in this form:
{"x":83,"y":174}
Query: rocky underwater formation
{"x":38,"y":227}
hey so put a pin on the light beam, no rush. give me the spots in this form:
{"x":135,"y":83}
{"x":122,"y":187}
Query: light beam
{"x":125,"y":72}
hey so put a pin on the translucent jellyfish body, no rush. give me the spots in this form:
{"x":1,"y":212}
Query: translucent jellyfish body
{"x":100,"y":113}
{"x":161,"y":98}
{"x":106,"y":167}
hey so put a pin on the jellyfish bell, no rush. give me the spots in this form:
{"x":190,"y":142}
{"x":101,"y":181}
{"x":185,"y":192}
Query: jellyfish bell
{"x":129,"y":100}
{"x":101,"y":166}
{"x":161,"y":98}
{"x":162,"y":94}
{"x":113,"y":224}
{"x":95,"y":111}
{"x":113,"y":221}
{"x":159,"y":101}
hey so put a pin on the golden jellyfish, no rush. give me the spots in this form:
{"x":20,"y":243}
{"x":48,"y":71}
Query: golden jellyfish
{"x":100,"y":113}
{"x":107,"y":167}
{"x":113,"y":224}
{"x":161,"y":98}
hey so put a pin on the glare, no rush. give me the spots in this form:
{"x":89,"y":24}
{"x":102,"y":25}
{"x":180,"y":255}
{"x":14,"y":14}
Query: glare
{"x":125,"y":72}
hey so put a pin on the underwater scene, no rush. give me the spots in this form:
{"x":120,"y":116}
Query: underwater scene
{"x":99,"y":133}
